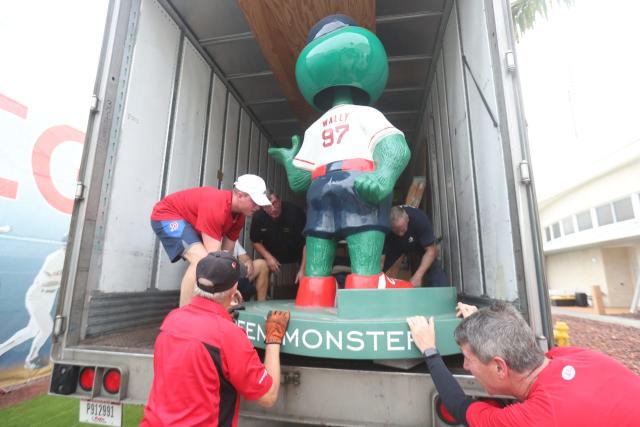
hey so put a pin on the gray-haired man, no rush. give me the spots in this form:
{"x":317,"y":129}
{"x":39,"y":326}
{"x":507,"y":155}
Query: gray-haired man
{"x":203,"y":362}
{"x":567,"y":386}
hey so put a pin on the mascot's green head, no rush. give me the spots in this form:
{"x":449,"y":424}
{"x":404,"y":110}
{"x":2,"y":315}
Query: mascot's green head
{"x":339,"y":53}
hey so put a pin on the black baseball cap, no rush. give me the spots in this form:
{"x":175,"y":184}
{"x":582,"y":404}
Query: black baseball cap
{"x":218,"y":271}
{"x":329,"y":24}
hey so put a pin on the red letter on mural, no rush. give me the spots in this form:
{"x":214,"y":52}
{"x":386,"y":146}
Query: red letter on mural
{"x":8,"y":187}
{"x":41,"y":163}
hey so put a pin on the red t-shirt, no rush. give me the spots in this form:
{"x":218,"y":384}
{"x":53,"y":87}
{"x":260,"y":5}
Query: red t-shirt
{"x":202,"y":362}
{"x":207,"y":209}
{"x":579,"y":387}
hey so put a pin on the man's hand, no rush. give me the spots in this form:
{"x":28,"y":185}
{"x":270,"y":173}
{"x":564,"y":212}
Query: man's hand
{"x":416,"y":281}
{"x":276,"y":326}
{"x":465,"y":310}
{"x":273,"y":264}
{"x":423,"y":332}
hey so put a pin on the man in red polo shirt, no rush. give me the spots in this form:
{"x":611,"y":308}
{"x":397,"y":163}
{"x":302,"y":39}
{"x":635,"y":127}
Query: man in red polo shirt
{"x":203,"y":362}
{"x":566,"y":387}
{"x":191,"y":223}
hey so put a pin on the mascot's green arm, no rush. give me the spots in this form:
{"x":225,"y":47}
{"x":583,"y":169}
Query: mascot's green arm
{"x":390,"y":156}
{"x":299,"y":179}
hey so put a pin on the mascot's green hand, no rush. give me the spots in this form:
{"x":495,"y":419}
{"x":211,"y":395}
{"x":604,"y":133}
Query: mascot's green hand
{"x":285,"y":155}
{"x":390,"y":156}
{"x":299,"y":180}
{"x":373,"y":188}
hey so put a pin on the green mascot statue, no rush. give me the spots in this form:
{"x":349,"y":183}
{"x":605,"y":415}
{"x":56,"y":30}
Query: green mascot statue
{"x":349,"y":160}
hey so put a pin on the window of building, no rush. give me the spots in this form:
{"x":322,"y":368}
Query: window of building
{"x":556,"y":230}
{"x":584,"y":220}
{"x":567,"y":226}
{"x":547,"y":232}
{"x":623,"y":209}
{"x":604,"y":214}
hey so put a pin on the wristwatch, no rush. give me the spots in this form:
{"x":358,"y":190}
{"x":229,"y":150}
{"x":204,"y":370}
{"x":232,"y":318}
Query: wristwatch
{"x":430,"y":352}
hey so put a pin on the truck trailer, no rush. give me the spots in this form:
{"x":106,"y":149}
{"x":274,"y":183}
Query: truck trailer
{"x":194,"y":92}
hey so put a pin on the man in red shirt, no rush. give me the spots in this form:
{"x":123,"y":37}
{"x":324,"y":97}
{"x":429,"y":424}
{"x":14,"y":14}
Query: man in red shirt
{"x":191,"y":223}
{"x":567,"y":386}
{"x":202,"y":361}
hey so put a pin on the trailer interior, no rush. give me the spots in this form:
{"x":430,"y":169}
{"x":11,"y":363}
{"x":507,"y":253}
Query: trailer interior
{"x":194,"y":92}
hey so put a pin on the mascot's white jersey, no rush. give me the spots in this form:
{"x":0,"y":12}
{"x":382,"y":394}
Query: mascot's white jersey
{"x":344,"y":132}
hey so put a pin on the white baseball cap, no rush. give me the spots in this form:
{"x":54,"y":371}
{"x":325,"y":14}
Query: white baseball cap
{"x":255,"y":187}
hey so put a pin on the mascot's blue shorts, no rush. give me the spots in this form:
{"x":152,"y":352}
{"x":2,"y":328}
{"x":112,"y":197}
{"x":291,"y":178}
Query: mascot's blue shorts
{"x":335,"y":210}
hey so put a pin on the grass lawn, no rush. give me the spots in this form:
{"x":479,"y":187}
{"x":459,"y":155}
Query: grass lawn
{"x":55,"y":411}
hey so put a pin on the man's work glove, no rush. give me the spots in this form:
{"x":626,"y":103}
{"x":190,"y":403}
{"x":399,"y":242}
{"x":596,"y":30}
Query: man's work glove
{"x":276,"y":326}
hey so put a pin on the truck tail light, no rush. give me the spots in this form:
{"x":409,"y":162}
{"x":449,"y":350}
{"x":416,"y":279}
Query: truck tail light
{"x":86,"y":378}
{"x":111,"y":381}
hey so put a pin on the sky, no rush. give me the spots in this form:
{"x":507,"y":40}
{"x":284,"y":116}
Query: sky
{"x":580,"y":76}
{"x":579,"y":72}
{"x":50,"y":53}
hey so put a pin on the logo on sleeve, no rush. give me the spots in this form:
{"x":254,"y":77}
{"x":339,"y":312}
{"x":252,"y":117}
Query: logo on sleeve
{"x":568,"y":372}
{"x":264,"y":375}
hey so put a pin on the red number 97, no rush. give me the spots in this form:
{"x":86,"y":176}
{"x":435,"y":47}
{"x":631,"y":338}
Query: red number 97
{"x":327,"y":135}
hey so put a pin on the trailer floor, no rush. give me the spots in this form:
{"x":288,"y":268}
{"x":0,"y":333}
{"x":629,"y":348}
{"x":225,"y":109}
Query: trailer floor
{"x":138,"y":340}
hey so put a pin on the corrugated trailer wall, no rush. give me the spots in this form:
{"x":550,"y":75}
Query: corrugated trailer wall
{"x":180,"y":128}
{"x":467,"y":167}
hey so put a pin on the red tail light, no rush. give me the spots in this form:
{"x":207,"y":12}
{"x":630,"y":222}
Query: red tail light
{"x":111,"y":381}
{"x":86,"y":378}
{"x":444,"y":414}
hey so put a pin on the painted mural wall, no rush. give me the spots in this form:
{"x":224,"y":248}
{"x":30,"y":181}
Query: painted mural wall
{"x":46,"y":82}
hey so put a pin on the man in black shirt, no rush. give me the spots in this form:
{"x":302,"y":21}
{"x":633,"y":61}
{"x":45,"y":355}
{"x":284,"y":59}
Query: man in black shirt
{"x":276,"y":232}
{"x":411,"y":232}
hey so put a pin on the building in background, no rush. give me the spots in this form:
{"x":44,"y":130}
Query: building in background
{"x":581,"y":105}
{"x":591,"y":231}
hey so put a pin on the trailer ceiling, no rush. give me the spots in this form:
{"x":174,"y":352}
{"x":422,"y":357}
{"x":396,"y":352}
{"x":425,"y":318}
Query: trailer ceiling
{"x":256,"y":51}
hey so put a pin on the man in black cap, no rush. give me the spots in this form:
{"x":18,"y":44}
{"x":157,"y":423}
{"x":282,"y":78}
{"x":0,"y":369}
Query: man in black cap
{"x":203,"y":361}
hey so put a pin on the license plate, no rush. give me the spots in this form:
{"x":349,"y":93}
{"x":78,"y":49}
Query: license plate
{"x":101,"y":413}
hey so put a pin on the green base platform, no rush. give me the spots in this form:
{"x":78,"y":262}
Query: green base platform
{"x":365,"y":324}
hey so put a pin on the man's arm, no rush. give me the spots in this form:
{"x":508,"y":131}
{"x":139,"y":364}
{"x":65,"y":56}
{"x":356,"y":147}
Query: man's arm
{"x":272,"y":364}
{"x":211,"y":244}
{"x":248,"y":264}
{"x":453,"y":397}
{"x":303,"y":265}
{"x":276,"y":327}
{"x":430,"y":254}
{"x":272,"y":262}
{"x":227,"y":244}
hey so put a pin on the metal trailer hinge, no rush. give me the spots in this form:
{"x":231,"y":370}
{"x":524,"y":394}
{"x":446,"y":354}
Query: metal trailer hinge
{"x":543,"y":343}
{"x":94,"y":103}
{"x":525,"y":174}
{"x":58,"y":326}
{"x":79,"y":191}
{"x":510,"y":61}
